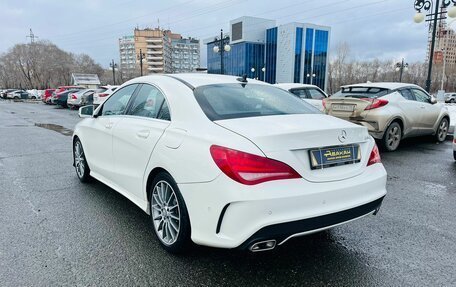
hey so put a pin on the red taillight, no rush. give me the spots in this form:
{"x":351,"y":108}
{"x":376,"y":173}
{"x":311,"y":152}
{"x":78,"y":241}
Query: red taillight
{"x":248,"y":168}
{"x":102,"y":95}
{"x":375,"y":103}
{"x":374,"y":156}
{"x":74,"y":97}
{"x":324,"y":103}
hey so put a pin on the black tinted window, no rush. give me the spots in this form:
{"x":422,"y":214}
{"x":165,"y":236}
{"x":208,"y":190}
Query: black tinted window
{"x":229,"y":101}
{"x":421,"y":96}
{"x":316,"y":94}
{"x":147,"y":102}
{"x":117,"y":103}
{"x":361,"y":92}
{"x":300,"y":93}
{"x":407,"y":94}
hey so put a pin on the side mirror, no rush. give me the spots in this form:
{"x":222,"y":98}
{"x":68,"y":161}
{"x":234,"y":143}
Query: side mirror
{"x":433,"y":100}
{"x":86,"y":111}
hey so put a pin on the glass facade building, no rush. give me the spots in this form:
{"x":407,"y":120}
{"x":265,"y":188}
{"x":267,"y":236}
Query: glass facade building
{"x":271,"y":55}
{"x":238,"y":61}
{"x":289,"y":53}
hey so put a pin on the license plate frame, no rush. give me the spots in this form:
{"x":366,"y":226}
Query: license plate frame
{"x":327,"y":157}
{"x":343,"y":107}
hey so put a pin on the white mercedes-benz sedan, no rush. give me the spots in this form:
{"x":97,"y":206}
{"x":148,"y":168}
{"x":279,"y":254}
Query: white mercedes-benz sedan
{"x":228,"y":162}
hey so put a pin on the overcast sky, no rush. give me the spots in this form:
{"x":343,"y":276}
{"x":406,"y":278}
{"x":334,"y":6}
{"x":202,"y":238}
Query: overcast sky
{"x":373,"y":28}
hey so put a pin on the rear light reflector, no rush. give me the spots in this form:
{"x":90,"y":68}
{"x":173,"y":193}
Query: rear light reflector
{"x":102,"y":95}
{"x":248,"y":168}
{"x":374,"y":156}
{"x":375,"y":103}
{"x":74,"y":97}
{"x":324,"y":103}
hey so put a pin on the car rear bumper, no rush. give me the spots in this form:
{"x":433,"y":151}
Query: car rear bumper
{"x":226,"y":214}
{"x":282,"y":232}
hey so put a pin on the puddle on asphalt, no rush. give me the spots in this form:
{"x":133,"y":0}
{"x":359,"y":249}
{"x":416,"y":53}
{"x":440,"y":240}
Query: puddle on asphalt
{"x":57,"y":128}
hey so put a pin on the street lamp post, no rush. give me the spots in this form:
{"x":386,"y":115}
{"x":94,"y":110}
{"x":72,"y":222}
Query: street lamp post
{"x":113,"y":65}
{"x":311,"y":78}
{"x":141,"y":58}
{"x":401,"y":67}
{"x":433,"y":16}
{"x":222,"y":47}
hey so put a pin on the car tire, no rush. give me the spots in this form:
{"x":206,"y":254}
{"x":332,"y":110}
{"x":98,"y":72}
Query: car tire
{"x":168,"y":214}
{"x":442,"y":130}
{"x":452,"y":101}
{"x":80,"y":162}
{"x":392,"y":137}
{"x":454,"y":155}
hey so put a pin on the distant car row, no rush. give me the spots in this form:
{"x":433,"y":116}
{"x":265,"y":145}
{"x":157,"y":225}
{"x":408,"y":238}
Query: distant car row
{"x":21,"y":94}
{"x":75,"y":96}
{"x":65,"y":96}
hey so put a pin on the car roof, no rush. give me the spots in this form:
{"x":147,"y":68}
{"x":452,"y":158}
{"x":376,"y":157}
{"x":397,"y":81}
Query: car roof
{"x":384,"y":85}
{"x":288,"y":86}
{"x":195,"y":80}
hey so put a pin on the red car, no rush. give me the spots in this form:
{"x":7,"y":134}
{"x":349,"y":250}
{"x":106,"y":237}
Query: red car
{"x":60,"y":90}
{"x":47,"y":95}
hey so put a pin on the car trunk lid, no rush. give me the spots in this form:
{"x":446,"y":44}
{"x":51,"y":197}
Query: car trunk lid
{"x":290,"y":138}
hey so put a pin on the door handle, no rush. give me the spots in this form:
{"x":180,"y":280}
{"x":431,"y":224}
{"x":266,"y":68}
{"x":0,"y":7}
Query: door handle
{"x":108,"y":126}
{"x":423,"y":107}
{"x":143,"y":134}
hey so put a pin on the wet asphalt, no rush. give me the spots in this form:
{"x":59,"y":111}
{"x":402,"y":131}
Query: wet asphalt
{"x":55,"y":231}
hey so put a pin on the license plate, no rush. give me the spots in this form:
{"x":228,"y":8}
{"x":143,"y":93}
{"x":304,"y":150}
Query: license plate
{"x":343,"y":108}
{"x":334,"y":156}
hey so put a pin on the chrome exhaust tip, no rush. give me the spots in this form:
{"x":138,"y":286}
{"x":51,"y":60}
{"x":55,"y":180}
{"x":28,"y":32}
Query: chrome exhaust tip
{"x":263,"y":245}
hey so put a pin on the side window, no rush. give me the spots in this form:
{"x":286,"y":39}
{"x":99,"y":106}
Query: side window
{"x":164,"y":112}
{"x":421,"y":96}
{"x":117,"y":103}
{"x":316,"y":94}
{"x":147,"y":102}
{"x":407,"y":94}
{"x":300,"y":93}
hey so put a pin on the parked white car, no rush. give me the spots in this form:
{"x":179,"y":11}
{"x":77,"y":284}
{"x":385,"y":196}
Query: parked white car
{"x":80,"y":98}
{"x":102,"y":94}
{"x":17,"y":94}
{"x":309,"y":93}
{"x":34,"y":94}
{"x":228,"y":162}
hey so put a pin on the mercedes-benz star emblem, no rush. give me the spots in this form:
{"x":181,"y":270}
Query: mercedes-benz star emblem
{"x":343,"y":136}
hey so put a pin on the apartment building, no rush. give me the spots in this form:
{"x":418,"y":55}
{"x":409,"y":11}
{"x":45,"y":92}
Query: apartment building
{"x":127,"y":55}
{"x":185,"y":55}
{"x":156,"y":45}
{"x":163,"y":50}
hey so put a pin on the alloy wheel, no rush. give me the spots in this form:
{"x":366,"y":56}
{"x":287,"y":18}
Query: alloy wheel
{"x":165,"y":212}
{"x":79,"y":159}
{"x":442,"y":131}
{"x":393,"y":137}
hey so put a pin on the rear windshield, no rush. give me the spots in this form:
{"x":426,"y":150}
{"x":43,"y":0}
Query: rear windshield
{"x":361,"y":92}
{"x":231,"y":101}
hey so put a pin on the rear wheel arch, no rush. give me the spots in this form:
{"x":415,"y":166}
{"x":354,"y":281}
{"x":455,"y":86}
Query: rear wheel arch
{"x":152,"y":174}
{"x":399,"y":121}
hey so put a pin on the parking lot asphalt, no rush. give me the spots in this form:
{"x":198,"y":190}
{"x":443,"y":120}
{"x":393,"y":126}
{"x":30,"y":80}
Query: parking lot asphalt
{"x":55,"y":231}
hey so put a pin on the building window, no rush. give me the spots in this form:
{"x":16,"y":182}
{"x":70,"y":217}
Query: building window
{"x":271,"y":55}
{"x":298,"y":51}
{"x":308,"y":56}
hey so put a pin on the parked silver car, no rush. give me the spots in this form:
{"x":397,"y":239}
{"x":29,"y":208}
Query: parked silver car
{"x":450,"y":98}
{"x":390,"y":111}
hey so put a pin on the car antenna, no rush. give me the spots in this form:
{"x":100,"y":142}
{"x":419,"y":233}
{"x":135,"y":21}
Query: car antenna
{"x":243,"y":79}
